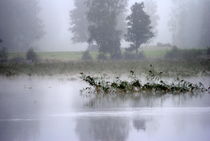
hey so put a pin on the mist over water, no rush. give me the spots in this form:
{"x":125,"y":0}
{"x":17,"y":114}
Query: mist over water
{"x":104,"y":70}
{"x":52,"y":109}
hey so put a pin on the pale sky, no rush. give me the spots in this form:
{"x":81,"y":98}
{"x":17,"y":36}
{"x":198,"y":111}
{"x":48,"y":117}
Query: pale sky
{"x":55,"y":15}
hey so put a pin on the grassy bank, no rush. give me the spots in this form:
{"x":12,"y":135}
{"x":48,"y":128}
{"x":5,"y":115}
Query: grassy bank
{"x":169,"y":68}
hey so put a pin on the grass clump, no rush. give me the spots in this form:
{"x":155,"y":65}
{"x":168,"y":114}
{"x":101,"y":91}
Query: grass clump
{"x":154,"y":84}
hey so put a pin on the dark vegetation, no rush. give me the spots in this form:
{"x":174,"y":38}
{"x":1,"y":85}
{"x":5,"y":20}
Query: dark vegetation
{"x":102,"y":17}
{"x":139,"y":27}
{"x":187,"y":54}
{"x":31,"y":55}
{"x":154,"y":84}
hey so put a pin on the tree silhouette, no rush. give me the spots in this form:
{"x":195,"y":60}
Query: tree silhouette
{"x":102,"y":17}
{"x":139,"y":27}
{"x":80,"y":23}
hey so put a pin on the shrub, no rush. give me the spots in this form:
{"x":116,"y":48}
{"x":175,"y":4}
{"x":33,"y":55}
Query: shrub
{"x":3,"y":54}
{"x":31,"y":55}
{"x":154,"y":85}
{"x":86,"y":56}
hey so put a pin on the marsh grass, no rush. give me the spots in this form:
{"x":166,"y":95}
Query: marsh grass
{"x":170,"y":68}
{"x":154,"y":84}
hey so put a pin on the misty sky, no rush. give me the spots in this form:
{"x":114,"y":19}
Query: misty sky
{"x":55,"y":15}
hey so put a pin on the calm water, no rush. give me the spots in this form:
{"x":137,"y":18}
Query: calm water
{"x":52,"y":109}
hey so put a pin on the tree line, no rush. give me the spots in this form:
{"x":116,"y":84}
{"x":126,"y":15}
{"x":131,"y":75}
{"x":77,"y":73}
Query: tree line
{"x":104,"y":23}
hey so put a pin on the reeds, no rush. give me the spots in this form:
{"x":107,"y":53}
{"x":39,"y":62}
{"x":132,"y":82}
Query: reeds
{"x":154,"y":84}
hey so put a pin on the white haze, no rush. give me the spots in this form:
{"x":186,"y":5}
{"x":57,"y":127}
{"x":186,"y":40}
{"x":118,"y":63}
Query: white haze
{"x":55,"y":15}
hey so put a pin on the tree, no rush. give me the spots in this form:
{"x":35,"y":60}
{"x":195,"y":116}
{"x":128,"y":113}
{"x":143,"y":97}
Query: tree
{"x":80,"y":23}
{"x":102,"y":16}
{"x":139,"y":27}
{"x":20,"y":25}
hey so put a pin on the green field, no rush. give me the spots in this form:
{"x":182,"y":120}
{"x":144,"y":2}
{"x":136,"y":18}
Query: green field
{"x":61,"y":56}
{"x":75,"y":56}
{"x":154,"y":52}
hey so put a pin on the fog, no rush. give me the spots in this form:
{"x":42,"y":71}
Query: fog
{"x":55,"y":15}
{"x":180,"y":23}
{"x":104,"y":70}
{"x":56,"y":20}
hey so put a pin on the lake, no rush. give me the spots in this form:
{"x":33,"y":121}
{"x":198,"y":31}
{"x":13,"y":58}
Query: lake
{"x":53,"y":109}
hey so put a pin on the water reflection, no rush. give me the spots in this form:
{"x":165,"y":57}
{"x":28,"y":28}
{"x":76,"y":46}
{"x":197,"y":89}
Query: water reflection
{"x":102,"y":129}
{"x":147,"y":100}
{"x":54,"y":110}
{"x":139,"y":124}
